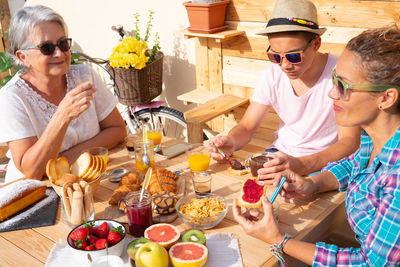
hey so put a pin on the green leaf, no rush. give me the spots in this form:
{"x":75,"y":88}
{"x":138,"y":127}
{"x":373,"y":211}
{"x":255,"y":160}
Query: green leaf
{"x":5,"y":80}
{"x":5,"y":63}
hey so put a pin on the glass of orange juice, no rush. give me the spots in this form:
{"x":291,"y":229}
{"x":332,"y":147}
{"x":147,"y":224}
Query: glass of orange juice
{"x":155,"y":134}
{"x":198,"y":158}
{"x":139,"y":151}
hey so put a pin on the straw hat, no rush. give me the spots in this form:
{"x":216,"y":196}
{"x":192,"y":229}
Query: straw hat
{"x":293,"y":15}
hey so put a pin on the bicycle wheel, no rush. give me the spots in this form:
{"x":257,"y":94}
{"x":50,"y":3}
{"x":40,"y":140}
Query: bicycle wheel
{"x":174,"y":124}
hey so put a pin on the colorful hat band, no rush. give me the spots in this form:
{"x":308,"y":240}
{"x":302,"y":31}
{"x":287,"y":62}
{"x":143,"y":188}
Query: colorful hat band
{"x":292,"y":21}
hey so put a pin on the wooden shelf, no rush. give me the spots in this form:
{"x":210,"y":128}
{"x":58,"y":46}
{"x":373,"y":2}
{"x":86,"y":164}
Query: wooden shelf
{"x":218,"y":36}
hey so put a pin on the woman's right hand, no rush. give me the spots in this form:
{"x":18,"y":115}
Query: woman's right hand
{"x":296,"y":186}
{"x":225,"y":143}
{"x":77,"y":100}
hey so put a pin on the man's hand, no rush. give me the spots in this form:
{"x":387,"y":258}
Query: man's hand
{"x":279,"y":163}
{"x":225,"y":143}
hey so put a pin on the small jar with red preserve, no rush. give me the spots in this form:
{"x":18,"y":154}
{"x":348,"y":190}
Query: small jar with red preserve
{"x":139,"y":212}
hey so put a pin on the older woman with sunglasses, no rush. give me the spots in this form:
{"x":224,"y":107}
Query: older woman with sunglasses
{"x":44,"y":111}
{"x":366,"y":93}
{"x":296,"y":85}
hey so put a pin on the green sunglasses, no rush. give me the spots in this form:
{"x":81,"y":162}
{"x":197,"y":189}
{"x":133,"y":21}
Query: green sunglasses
{"x":343,"y":87}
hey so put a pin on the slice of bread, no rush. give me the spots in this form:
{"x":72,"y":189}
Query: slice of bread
{"x":51,"y":170}
{"x":82,"y":165}
{"x":92,"y":170}
{"x":251,"y":194}
{"x":62,"y":166}
{"x":237,"y":172}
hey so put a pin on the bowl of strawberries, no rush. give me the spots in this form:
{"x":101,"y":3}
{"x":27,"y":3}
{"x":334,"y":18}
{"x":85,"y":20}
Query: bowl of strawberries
{"x":95,"y":238}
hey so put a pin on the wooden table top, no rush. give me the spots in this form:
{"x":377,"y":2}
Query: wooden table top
{"x":307,"y":222}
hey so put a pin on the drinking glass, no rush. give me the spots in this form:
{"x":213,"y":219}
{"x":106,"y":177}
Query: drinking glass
{"x":155,"y":134}
{"x":77,"y":207}
{"x":202,"y":183}
{"x":84,"y":74}
{"x":130,"y":141}
{"x":257,"y":160}
{"x":139,"y":212}
{"x":198,"y":157}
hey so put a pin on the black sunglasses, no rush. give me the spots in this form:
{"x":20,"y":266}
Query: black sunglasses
{"x":48,"y":48}
{"x":295,"y":57}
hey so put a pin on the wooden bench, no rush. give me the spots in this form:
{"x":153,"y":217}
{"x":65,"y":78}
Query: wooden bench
{"x":230,"y":62}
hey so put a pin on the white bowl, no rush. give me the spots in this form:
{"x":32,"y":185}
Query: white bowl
{"x":116,"y":249}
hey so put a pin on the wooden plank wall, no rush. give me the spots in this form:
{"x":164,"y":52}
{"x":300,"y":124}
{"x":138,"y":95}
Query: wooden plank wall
{"x":244,"y":57}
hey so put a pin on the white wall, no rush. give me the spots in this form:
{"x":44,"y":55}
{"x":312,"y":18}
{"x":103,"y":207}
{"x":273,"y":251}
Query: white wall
{"x":90,"y":21}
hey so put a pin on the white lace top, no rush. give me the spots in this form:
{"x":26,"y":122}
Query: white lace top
{"x":24,"y":113}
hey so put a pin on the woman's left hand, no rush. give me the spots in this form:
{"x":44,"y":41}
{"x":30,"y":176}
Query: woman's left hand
{"x":265,"y":229}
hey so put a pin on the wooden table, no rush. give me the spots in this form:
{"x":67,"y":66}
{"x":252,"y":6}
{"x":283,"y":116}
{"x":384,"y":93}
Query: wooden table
{"x":309,"y":222}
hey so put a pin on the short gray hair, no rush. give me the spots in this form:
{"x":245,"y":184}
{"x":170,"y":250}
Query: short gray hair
{"x":22,"y":25}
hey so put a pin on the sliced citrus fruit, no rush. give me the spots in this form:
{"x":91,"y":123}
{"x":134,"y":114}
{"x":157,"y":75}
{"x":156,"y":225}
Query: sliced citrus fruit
{"x":163,"y":233}
{"x":188,"y":254}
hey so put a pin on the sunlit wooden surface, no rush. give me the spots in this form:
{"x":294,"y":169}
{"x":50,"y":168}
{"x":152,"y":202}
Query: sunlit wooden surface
{"x":308,"y":222}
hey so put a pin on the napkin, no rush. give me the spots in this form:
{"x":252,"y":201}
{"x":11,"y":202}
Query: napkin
{"x":223,"y":250}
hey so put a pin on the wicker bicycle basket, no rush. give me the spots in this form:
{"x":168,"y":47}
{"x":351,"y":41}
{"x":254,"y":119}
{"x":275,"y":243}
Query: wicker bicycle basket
{"x":137,"y":87}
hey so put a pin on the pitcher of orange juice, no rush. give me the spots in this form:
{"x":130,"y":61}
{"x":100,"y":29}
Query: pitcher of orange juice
{"x":198,"y":158}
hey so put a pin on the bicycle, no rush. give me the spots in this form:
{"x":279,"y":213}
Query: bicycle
{"x":154,"y":113}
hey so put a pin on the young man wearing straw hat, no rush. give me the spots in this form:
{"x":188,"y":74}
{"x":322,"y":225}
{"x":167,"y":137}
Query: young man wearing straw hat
{"x":296,"y":86}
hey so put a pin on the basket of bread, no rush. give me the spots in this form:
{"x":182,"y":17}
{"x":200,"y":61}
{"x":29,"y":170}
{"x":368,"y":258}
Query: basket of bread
{"x":86,"y":168}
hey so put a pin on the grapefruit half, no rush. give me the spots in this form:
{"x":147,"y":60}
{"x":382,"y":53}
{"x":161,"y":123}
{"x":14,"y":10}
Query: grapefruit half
{"x":188,"y":254}
{"x":163,"y":233}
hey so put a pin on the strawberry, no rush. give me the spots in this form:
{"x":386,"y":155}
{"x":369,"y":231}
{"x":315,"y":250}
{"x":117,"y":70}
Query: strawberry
{"x":115,"y":235}
{"x":80,"y":233}
{"x":102,"y":230}
{"x":92,"y":240}
{"x":89,"y":226}
{"x":89,"y":248}
{"x":101,"y":243}
{"x":81,"y":244}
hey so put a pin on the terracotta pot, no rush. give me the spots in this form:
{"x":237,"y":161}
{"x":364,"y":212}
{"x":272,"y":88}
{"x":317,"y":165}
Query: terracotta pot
{"x":206,"y":18}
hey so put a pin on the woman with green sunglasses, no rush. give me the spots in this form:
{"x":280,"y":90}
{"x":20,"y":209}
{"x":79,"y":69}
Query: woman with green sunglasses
{"x":365,"y":94}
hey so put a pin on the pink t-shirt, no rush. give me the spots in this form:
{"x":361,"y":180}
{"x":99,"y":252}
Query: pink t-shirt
{"x":307,"y":123}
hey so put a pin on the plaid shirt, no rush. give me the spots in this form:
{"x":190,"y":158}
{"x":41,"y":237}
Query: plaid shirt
{"x":372,"y":206}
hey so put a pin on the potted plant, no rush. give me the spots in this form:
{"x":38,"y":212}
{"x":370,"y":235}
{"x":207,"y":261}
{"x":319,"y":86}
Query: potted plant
{"x":137,"y":68}
{"x":206,"y":16}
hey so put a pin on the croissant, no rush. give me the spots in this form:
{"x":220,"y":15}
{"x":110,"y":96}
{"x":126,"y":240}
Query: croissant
{"x":121,"y":191}
{"x":130,"y":178}
{"x":167,"y":173}
{"x":162,"y":180}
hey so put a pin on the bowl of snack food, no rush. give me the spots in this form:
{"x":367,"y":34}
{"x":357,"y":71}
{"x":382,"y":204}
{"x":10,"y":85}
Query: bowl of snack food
{"x":202,"y":212}
{"x":92,"y":238}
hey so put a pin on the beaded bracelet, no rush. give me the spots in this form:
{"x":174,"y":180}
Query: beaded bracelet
{"x":277,"y":249}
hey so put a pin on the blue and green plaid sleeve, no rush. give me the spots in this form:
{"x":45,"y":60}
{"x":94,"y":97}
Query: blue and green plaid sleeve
{"x":342,"y":170}
{"x":381,"y":246}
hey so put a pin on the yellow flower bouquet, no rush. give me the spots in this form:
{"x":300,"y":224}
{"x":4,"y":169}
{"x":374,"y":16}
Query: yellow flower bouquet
{"x":137,"y":69}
